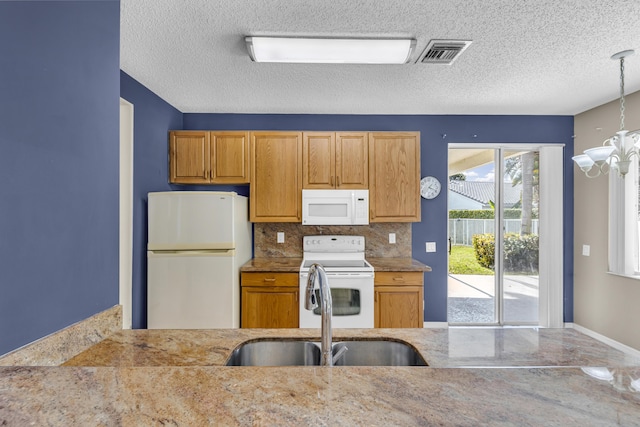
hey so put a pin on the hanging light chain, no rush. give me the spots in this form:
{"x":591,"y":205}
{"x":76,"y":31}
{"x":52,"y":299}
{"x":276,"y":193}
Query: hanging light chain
{"x":622,"y":93}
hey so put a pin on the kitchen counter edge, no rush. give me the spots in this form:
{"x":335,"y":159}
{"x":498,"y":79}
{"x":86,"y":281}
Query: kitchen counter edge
{"x":292,"y":265}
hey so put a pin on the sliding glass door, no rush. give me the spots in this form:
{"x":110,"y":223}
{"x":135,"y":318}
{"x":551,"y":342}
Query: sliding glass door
{"x":495,"y":208}
{"x":519,"y":287}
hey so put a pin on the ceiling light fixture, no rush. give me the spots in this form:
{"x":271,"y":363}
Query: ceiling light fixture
{"x":615,"y":152}
{"x":329,"y":50}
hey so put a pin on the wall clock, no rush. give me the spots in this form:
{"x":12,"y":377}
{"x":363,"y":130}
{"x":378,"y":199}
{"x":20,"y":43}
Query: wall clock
{"x":429,"y":187}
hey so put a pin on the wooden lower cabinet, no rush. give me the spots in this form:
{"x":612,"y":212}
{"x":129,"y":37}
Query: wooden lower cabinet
{"x":270,"y":300}
{"x":399,"y":300}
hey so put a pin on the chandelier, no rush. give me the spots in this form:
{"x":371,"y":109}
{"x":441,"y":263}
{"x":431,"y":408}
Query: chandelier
{"x":615,"y":152}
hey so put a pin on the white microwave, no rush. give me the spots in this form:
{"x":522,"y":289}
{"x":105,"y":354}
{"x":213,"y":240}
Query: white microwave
{"x":335,"y":207}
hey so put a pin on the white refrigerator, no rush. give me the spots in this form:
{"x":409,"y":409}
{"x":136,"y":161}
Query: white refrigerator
{"x":197,"y":242}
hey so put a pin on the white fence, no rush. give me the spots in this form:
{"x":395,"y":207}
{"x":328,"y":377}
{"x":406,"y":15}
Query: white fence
{"x":461,"y":230}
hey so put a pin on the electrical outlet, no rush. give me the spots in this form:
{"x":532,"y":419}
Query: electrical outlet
{"x":586,"y":250}
{"x":280,"y":238}
{"x":392,"y":238}
{"x":430,"y":246}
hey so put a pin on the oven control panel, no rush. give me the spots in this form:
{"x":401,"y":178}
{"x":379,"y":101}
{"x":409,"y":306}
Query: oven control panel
{"x":333,"y":244}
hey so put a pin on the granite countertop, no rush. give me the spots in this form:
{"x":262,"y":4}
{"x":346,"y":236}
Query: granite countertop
{"x":292,"y":265}
{"x":274,"y":265}
{"x":476,"y":377}
{"x":397,"y":264}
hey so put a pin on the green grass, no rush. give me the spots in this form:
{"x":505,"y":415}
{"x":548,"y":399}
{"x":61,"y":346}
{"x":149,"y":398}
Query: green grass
{"x":463,"y":261}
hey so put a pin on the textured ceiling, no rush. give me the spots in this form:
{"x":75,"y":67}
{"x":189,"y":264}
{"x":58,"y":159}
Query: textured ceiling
{"x":527,"y":56}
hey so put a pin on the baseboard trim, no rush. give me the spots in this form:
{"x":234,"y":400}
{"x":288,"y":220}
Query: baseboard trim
{"x":435,"y":325}
{"x":613,"y":343}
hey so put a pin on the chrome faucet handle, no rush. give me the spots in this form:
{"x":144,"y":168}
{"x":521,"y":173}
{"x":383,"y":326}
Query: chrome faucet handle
{"x":341,"y":351}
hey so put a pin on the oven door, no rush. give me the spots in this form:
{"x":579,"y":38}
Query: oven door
{"x":352,"y":299}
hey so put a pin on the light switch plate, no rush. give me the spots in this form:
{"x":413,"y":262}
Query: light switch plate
{"x":280,"y":237}
{"x":392,"y":238}
{"x":430,"y":246}
{"x":586,"y":250}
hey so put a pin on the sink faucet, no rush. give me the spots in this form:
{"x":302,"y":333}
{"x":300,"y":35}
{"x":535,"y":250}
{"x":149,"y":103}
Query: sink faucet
{"x":316,"y":270}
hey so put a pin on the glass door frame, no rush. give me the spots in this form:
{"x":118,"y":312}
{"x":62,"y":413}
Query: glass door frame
{"x":550,"y":296}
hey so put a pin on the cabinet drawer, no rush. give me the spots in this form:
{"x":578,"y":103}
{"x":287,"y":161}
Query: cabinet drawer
{"x":399,"y":278}
{"x":270,"y":279}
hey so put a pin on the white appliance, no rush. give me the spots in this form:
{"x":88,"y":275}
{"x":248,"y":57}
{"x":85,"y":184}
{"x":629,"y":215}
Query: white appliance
{"x":197,"y":243}
{"x":350,"y":278}
{"x":335,"y":207}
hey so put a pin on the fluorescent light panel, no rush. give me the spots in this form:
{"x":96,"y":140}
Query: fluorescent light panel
{"x":330,"y":51}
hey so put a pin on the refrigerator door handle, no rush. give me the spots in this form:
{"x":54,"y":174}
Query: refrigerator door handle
{"x":206,"y":252}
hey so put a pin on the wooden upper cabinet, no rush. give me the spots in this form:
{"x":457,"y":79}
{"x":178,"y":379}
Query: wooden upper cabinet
{"x":335,"y":160}
{"x":352,"y":160}
{"x":394,"y":176}
{"x":189,"y":159}
{"x":276,"y":177}
{"x":204,"y":157}
{"x":230,"y":157}
{"x":318,"y":160}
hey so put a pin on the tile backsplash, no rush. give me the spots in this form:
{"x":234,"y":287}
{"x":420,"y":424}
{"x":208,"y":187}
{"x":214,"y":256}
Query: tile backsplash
{"x":376,"y":237}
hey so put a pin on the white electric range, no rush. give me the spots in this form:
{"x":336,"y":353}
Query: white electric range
{"x":350,"y":278}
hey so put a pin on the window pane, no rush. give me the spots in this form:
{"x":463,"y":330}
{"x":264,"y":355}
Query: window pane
{"x":521,"y":201}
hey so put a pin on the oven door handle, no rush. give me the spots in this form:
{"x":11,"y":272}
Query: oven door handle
{"x":339,"y":275}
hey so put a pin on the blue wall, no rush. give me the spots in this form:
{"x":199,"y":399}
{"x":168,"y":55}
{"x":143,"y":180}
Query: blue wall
{"x":59,"y":85}
{"x":458,"y":129}
{"x":60,"y":81}
{"x":153,"y":118}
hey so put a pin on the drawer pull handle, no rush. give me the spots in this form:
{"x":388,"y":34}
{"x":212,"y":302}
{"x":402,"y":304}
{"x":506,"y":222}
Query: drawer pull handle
{"x":398,"y":279}
{"x":269,"y":279}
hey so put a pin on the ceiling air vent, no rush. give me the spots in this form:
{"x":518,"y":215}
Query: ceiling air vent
{"x":443,"y":51}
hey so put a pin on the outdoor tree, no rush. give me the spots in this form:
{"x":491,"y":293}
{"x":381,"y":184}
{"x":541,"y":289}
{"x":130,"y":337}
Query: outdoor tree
{"x":524,"y":169}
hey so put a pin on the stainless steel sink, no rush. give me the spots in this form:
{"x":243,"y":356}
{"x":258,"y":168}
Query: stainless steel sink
{"x":275,"y":353}
{"x":378,"y":353}
{"x":307,"y":353}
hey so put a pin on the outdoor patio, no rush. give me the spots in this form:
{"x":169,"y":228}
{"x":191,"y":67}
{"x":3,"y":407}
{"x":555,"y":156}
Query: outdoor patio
{"x":471,"y":299}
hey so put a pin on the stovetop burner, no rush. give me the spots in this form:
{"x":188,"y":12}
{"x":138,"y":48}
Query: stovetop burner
{"x":335,"y":253}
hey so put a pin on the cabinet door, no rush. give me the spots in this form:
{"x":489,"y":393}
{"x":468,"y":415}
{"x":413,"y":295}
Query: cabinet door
{"x":394,"y":176}
{"x":352,"y":160}
{"x":229,"y":157}
{"x":270,"y":307}
{"x":397,"y":307}
{"x":189,"y":157}
{"x":276,"y":177}
{"x":318,"y":160}
{"x":399,"y":300}
{"x":270,"y":300}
